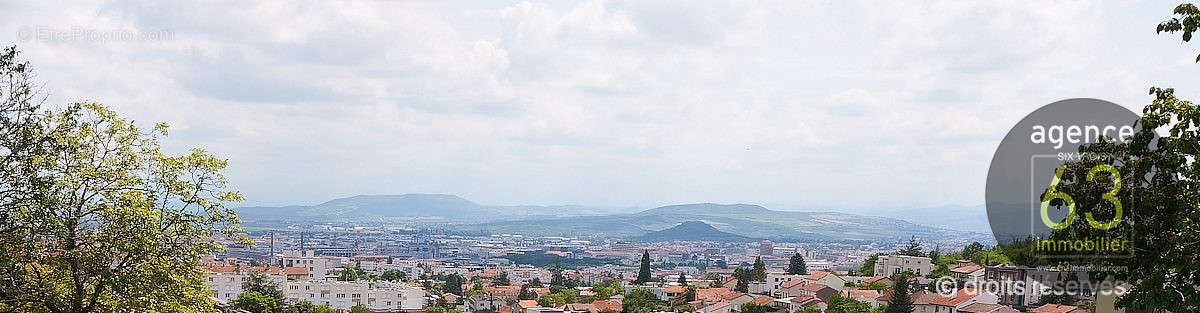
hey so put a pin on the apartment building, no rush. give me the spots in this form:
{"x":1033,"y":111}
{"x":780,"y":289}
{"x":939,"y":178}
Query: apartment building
{"x":888,"y":265}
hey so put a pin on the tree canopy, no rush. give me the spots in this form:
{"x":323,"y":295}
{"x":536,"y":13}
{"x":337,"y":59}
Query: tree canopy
{"x":91,"y":209}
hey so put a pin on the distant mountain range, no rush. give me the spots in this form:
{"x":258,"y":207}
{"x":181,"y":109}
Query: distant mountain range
{"x":729,"y":221}
{"x":410,"y":207}
{"x":692,"y":231}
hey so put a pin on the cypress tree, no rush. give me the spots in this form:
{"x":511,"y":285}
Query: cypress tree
{"x":901,"y":301}
{"x":644,"y":273}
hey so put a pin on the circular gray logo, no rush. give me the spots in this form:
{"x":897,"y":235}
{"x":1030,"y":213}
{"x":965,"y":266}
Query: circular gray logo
{"x":1033,"y":185}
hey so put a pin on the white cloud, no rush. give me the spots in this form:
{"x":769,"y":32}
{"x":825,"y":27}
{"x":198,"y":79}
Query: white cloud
{"x":603,"y":102}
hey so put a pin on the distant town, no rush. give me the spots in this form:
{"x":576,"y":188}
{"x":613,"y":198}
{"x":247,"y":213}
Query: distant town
{"x":407,"y":270}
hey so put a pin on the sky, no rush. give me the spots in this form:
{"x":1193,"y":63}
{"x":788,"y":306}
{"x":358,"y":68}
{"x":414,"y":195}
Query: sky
{"x":794,"y":104}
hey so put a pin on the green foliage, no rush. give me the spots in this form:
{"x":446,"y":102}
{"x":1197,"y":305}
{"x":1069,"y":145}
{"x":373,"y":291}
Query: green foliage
{"x":309,"y":307}
{"x":262,"y":285}
{"x":454,"y":284}
{"x":641,"y":300}
{"x":87,"y":200}
{"x":751,"y":307}
{"x":559,"y":298}
{"x":839,"y":304}
{"x":912,"y":249}
{"x":644,"y":271}
{"x":797,"y":266}
{"x":901,"y":301}
{"x":348,"y":274}
{"x":441,"y":309}
{"x":759,"y":271}
{"x":607,"y":289}
{"x":868,"y":266}
{"x":501,"y":279}
{"x":970,"y":250}
{"x":1161,"y":203}
{"x":1187,"y":20}
{"x":682,"y":279}
{"x":359,"y":308}
{"x":743,"y":279}
{"x":254,"y":303}
{"x":394,"y":276}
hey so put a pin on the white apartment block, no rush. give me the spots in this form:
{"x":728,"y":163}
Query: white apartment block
{"x":380,"y":296}
{"x":888,"y":265}
{"x":226,"y":284}
{"x":318,"y":266}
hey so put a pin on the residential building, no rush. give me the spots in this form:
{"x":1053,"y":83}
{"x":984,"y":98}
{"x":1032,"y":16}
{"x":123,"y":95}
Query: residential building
{"x":888,"y":265}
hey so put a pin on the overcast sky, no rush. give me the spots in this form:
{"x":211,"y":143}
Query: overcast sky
{"x":802,"y":104}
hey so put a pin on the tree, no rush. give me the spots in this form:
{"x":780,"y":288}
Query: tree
{"x":901,"y":301}
{"x":759,"y":272}
{"x":796,"y":265}
{"x":309,"y":307}
{"x":254,"y":303}
{"x":348,"y":274}
{"x":89,"y":203}
{"x":262,"y":285}
{"x":751,"y":307}
{"x":454,"y":284}
{"x":868,"y":266}
{"x":535,"y":283}
{"x":682,"y":279}
{"x":644,"y":272}
{"x":359,"y":308}
{"x":913,"y":248}
{"x":970,"y":250}
{"x":743,"y":279}
{"x":526,"y":294}
{"x":501,"y":279}
{"x":839,"y":304}
{"x":935,"y":256}
{"x":641,"y":300}
{"x":394,"y":276}
{"x":1187,"y":22}
{"x":720,"y":263}
{"x":1157,"y":182}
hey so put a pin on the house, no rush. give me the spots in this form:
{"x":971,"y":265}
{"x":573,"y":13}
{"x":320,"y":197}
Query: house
{"x":827,"y":279}
{"x":819,"y":291}
{"x":719,"y":307}
{"x":775,"y":279}
{"x":962,"y":299}
{"x":791,"y":288}
{"x":879,"y":279}
{"x":672,"y":292}
{"x":797,"y":303}
{"x":525,"y":304}
{"x":865,"y":295}
{"x":606,"y":306}
{"x":888,"y":265}
{"x":988,"y":308}
{"x":967,"y":271}
{"x":715,"y":300}
{"x":1058,"y":308}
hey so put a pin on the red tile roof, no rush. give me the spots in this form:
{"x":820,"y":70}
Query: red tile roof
{"x":602,"y":305}
{"x":861,"y":293}
{"x":527,"y":304}
{"x":761,"y":300}
{"x":791,"y":283}
{"x":1054,"y":308}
